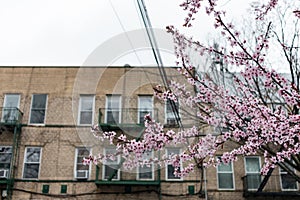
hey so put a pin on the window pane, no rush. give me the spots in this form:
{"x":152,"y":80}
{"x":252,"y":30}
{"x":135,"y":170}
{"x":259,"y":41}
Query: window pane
{"x":145,"y":107}
{"x":253,"y":181}
{"x":113,"y":109}
{"x":252,"y":165}
{"x":32,"y":162}
{"x":109,"y":170}
{"x":169,"y":111}
{"x":171,"y":171}
{"x":145,"y":172}
{"x":114,"y":160}
{"x":86,"y":109}
{"x":83,"y":152}
{"x":170,"y":168}
{"x":142,"y":115}
{"x":86,"y":103}
{"x":12,"y":100}
{"x":38,"y":108}
{"x":145,"y":102}
{"x":225,"y":180}
{"x":33,"y":154}
{"x":37,"y":116}
{"x":86,"y":117}
{"x":113,"y":102}
{"x":112,"y":117}
{"x":5,"y":149}
{"x":82,"y":167}
{"x":225,"y":167}
{"x":9,"y":112}
{"x":31,"y":171}
{"x":288,"y":182}
{"x":5,"y":157}
{"x":39,"y":101}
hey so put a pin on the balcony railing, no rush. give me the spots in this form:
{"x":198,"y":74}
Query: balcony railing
{"x":277,"y":185}
{"x":10,"y":115}
{"x":125,"y":116}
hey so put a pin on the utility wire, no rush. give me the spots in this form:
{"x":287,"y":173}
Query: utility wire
{"x":124,"y":30}
{"x":127,"y":36}
{"x":157,"y":55}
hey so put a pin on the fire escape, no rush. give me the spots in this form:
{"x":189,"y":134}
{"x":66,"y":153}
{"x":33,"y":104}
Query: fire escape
{"x":10,"y":125}
{"x":125,"y":121}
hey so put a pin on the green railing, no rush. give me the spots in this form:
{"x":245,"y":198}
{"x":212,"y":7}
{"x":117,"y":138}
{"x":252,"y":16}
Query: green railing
{"x":10,"y":115}
{"x":125,"y":116}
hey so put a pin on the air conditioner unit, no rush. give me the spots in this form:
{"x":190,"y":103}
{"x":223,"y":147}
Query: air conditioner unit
{"x":82,"y":174}
{"x":3,"y":173}
{"x":4,"y":193}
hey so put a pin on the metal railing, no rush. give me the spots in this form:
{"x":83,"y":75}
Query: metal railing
{"x":10,"y":115}
{"x":125,"y":115}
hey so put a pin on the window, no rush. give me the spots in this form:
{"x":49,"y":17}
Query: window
{"x":86,"y":110}
{"x":81,"y":171}
{"x":113,"y":105}
{"x":170,"y":169}
{"x":252,"y":168}
{"x":225,"y":176}
{"x":38,"y":109}
{"x":288,"y":182}
{"x":9,"y":112}
{"x":170,"y":113}
{"x":32,"y":162}
{"x":5,"y":158}
{"x":111,"y":166}
{"x":145,"y":107}
{"x":146,"y":172}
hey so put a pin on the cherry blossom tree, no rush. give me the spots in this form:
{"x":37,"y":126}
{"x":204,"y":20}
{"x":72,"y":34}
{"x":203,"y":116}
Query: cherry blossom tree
{"x":258,"y":111}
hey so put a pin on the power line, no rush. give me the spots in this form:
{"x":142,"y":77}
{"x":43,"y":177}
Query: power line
{"x":124,"y":30}
{"x":157,"y":55}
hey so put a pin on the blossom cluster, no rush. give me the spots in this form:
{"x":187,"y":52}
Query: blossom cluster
{"x":259,"y":112}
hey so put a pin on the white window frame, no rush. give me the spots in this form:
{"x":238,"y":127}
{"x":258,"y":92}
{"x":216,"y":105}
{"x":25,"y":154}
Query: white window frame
{"x":75,"y":161}
{"x":254,"y":173}
{"x":142,"y":109}
{"x":226,"y":172}
{"x":5,"y":102}
{"x":119,"y":109}
{"x":46,"y":105}
{"x":79,"y":109}
{"x":166,"y":171}
{"x":104,"y":164}
{"x":166,"y":113}
{"x":25,"y":162}
{"x":10,"y":157}
{"x":145,"y":156}
{"x":285,"y":172}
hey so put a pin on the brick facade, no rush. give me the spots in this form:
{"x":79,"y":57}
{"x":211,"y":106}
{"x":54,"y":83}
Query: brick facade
{"x":60,"y":135}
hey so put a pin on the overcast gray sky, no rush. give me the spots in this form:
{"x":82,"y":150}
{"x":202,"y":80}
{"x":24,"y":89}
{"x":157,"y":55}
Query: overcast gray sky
{"x":66,"y":32}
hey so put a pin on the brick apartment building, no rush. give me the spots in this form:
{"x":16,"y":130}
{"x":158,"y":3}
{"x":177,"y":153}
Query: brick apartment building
{"x":46,"y":117}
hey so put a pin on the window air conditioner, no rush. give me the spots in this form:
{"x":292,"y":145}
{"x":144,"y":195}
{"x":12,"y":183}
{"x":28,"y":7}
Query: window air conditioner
{"x":4,"y":193}
{"x":82,"y":174}
{"x":3,"y":173}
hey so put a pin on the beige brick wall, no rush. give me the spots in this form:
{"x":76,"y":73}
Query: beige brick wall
{"x":60,"y":137}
